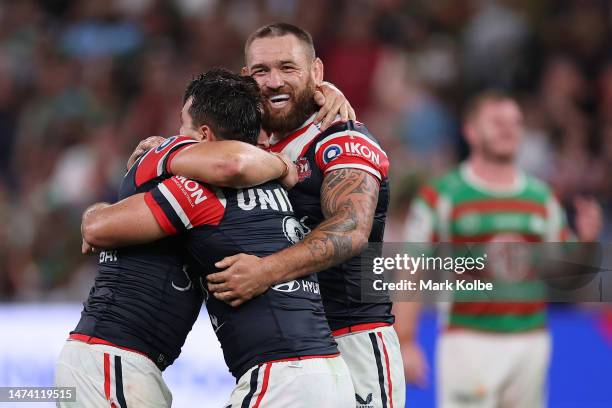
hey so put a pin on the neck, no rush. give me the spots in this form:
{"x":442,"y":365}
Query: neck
{"x":496,"y":174}
{"x":276,"y":137}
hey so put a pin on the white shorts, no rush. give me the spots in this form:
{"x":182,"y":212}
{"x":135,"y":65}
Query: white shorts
{"x":375,"y":361}
{"x":308,"y":383}
{"x":482,"y":370}
{"x":110,"y":377}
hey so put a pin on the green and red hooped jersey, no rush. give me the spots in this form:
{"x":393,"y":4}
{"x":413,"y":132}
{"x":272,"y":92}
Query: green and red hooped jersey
{"x":459,"y":208}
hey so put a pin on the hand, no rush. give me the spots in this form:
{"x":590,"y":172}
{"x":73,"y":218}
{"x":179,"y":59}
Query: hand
{"x":332,"y":103}
{"x":291,"y":178}
{"x":244,"y":278}
{"x":589,"y":219}
{"x":144,"y":146}
{"x":87,"y":249}
{"x":415,"y":364}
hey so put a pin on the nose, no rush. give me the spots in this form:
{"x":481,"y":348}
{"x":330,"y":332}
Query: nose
{"x":275,"y":80}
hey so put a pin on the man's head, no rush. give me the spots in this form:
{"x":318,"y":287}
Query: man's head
{"x":221,"y":105}
{"x":281,"y":58}
{"x":493,"y":126}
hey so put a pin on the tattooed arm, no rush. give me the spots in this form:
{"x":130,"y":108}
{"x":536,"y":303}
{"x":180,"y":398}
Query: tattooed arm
{"x":348,"y":202}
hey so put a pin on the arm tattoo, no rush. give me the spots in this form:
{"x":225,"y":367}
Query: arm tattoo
{"x":348,"y":202}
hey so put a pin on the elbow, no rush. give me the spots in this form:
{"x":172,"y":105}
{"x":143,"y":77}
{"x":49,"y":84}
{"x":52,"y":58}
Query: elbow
{"x":360,"y":241}
{"x":93,"y":231}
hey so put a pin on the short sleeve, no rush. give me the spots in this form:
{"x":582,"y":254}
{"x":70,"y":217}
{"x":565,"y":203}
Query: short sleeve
{"x":351,"y":148}
{"x":155,"y":163}
{"x":180,"y":204}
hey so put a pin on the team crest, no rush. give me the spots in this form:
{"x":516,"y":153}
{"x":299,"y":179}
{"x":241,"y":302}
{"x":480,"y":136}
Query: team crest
{"x":304,"y":170}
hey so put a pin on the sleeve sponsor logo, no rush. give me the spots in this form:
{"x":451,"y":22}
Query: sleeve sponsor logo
{"x":359,"y":149}
{"x":193,"y":188}
{"x":352,"y":148}
{"x":331,"y":152}
{"x":165,"y":144}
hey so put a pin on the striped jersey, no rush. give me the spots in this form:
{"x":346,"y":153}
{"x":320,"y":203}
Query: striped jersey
{"x":316,"y":153}
{"x":459,"y":208}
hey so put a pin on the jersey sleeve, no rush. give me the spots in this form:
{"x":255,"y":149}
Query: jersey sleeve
{"x":180,"y":204}
{"x":156,"y":162}
{"x":351,"y":148}
{"x":420,"y":225}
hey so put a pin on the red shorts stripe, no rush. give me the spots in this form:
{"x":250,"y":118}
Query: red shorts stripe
{"x":264,"y":386}
{"x":95,"y":340}
{"x":388,"y":369}
{"x":107,"y":376}
{"x":358,"y":328}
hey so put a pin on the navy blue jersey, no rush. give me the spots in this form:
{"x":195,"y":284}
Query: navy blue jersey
{"x":288,"y":320}
{"x":143,"y":298}
{"x":343,"y":145}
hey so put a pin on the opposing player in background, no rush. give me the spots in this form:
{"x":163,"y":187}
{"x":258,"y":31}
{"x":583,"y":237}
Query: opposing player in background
{"x":490,"y":354}
{"x":341,"y":197}
{"x":143,"y":303}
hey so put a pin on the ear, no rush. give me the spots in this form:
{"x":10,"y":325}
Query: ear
{"x":244,"y":71}
{"x":317,"y":71}
{"x":207,"y":134}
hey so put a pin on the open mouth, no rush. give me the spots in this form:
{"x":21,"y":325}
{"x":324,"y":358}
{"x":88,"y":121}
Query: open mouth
{"x":279,"y":101}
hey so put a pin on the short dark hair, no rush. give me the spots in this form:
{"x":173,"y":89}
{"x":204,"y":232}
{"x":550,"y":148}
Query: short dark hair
{"x":228,"y":103}
{"x":280,"y":30}
{"x":478,"y":100}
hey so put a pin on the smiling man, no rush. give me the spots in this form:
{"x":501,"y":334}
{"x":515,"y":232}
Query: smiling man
{"x":341,"y":197}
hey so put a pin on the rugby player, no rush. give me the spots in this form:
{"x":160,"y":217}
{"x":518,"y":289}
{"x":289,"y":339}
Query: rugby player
{"x":341,"y":197}
{"x":493,"y":354}
{"x":279,"y":346}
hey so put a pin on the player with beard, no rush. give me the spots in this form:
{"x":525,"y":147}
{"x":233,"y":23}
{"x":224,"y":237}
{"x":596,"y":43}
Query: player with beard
{"x":490,"y":354}
{"x":341,"y":198}
{"x":278,"y":346}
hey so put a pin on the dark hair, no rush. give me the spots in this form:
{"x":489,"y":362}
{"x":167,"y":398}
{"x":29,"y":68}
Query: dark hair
{"x":228,"y":103}
{"x":477,"y":101}
{"x":280,"y":30}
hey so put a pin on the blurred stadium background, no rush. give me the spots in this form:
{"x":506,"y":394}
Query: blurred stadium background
{"x":81,"y":82}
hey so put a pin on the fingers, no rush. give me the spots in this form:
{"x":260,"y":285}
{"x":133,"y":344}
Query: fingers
{"x":218,"y":277}
{"x":351,"y":113}
{"x":331,"y":114}
{"x":227,"y":262}
{"x":85,"y":248}
{"x":322,"y":101}
{"x":229,"y":298}
{"x":344,"y":114}
{"x":218,"y":287}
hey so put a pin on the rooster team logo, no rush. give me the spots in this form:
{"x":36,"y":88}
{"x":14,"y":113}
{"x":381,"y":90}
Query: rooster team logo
{"x":303,"y":168}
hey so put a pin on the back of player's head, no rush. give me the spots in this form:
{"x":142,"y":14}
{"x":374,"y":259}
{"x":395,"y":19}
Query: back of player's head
{"x":228,"y":103}
{"x":476,"y":102}
{"x":280,"y":30}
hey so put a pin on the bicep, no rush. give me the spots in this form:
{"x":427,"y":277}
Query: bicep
{"x":351,"y":194}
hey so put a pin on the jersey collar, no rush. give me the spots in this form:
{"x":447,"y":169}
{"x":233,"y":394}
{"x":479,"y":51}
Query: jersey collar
{"x":476,"y":182}
{"x":300,"y":130}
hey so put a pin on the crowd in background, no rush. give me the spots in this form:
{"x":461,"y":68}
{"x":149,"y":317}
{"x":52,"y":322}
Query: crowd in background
{"x":81,"y":82}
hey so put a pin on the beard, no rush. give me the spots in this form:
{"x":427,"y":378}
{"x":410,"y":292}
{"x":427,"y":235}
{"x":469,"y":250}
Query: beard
{"x":301,"y":108}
